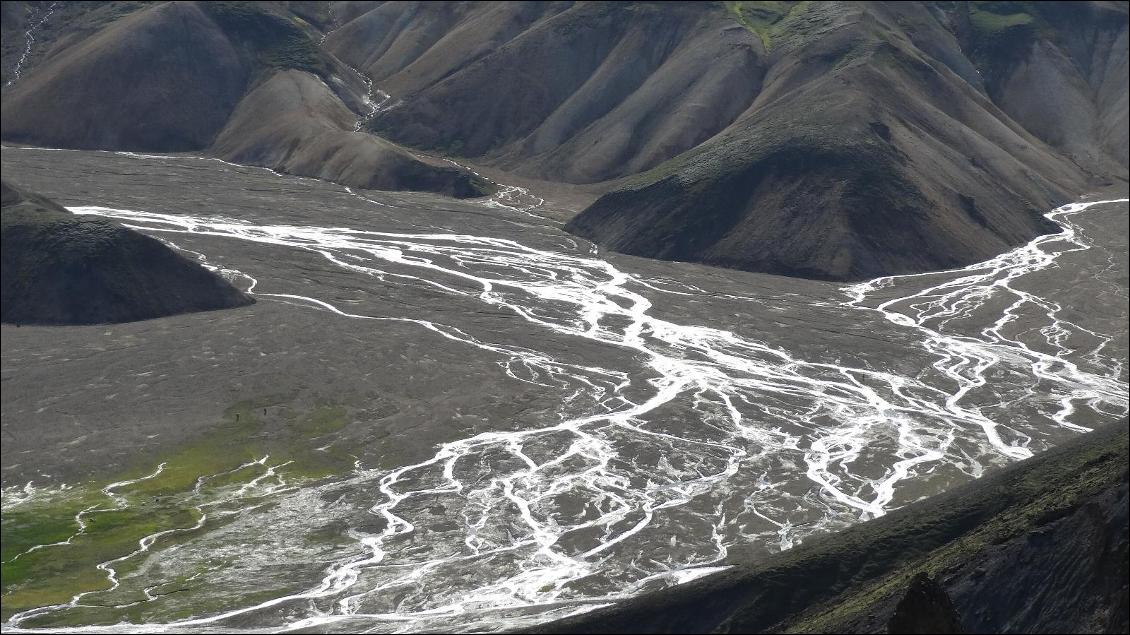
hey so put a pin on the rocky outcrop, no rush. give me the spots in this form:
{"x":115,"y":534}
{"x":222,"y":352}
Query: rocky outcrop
{"x":58,"y":268}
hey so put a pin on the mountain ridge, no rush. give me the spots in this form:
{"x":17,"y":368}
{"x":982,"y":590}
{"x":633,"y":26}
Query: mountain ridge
{"x":836,"y":141}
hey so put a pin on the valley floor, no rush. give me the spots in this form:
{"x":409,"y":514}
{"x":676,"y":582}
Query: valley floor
{"x":449,"y":414}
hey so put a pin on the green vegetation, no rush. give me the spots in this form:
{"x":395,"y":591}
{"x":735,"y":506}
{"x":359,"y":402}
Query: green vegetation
{"x":760,"y":18}
{"x":990,"y":18}
{"x":167,"y":501}
{"x":1001,"y":33}
{"x":322,"y":420}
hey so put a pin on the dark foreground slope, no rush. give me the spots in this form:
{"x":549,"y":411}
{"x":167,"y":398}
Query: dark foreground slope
{"x":59,"y":268}
{"x":1038,"y":547}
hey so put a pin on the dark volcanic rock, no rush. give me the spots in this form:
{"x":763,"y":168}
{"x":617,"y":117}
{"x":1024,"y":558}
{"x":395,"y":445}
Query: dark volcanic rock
{"x":58,"y":268}
{"x":926,"y":608}
{"x":1069,"y":574}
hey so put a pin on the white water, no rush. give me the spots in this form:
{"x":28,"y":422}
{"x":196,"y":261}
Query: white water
{"x":649,"y":477}
{"x":29,"y":40}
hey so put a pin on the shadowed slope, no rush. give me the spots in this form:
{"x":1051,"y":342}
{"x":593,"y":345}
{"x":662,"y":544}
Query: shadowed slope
{"x":134,"y":85}
{"x":579,"y":93}
{"x":59,"y":268}
{"x":293,"y":122}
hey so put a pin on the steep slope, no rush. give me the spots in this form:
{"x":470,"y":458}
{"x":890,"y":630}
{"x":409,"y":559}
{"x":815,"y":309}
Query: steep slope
{"x":293,"y":122}
{"x":833,"y":140}
{"x":54,"y":26}
{"x":1040,"y":546}
{"x":870,"y":150}
{"x":174,"y":76}
{"x":58,"y":268}
{"x":1057,"y":69}
{"x":828,"y":140}
{"x":124,"y":88}
{"x":581,"y":93}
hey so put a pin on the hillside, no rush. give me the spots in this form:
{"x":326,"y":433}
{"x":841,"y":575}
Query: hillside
{"x":59,"y":268}
{"x":873,"y":149}
{"x":836,"y":141}
{"x":831,"y":140}
{"x":1040,"y":546}
{"x":178,"y":76}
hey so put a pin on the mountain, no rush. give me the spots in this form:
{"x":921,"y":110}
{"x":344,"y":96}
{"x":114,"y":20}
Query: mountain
{"x":830,"y":140}
{"x":187,"y":76}
{"x":579,"y":92}
{"x":59,"y":268}
{"x":1039,"y":547}
{"x":876,"y":146}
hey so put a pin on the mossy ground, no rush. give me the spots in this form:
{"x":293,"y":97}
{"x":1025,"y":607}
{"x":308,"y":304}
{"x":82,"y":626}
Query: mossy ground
{"x":990,"y":18}
{"x":167,"y":501}
{"x":761,"y":18}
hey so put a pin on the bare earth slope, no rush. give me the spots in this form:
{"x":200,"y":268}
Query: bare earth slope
{"x":579,"y":93}
{"x":63,"y":269}
{"x":293,"y":122}
{"x":124,"y":87}
{"x":827,"y":140}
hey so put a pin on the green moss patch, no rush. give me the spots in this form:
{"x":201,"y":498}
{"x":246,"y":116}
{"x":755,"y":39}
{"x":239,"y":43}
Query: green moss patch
{"x":760,"y":18}
{"x":212,"y":469}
